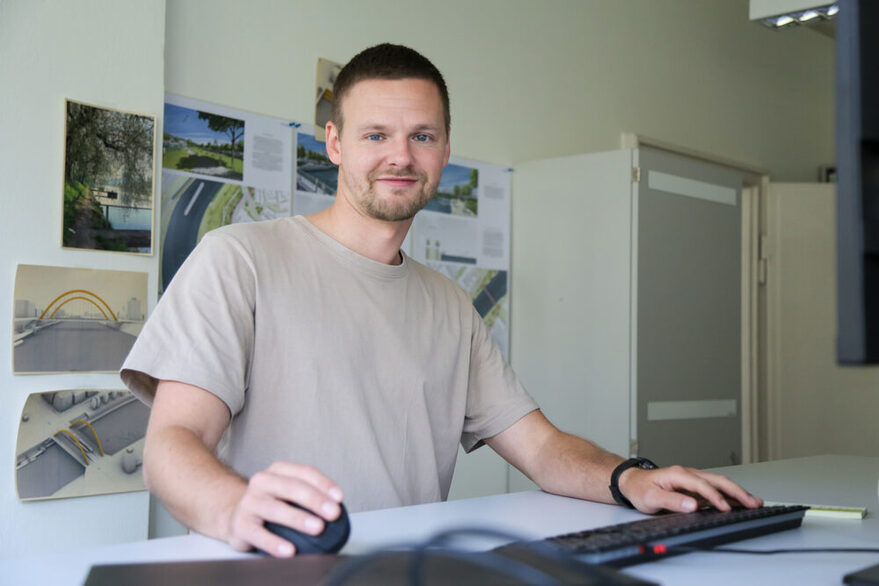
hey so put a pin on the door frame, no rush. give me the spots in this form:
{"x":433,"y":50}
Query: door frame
{"x":753,"y":401}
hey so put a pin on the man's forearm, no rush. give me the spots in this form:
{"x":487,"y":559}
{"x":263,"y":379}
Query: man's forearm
{"x":572,"y":466}
{"x":195,"y":487}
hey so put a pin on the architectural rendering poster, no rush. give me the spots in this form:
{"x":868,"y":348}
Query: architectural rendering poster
{"x":323,"y":102}
{"x":464,"y":233}
{"x":220,"y":166}
{"x":316,"y":177}
{"x":72,"y":320}
{"x":213,"y":177}
{"x":108,"y":179}
{"x":78,"y":443}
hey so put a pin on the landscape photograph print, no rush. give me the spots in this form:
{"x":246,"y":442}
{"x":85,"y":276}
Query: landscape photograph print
{"x":203,"y":142}
{"x":108,"y":179}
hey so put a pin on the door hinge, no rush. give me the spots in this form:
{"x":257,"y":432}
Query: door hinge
{"x":763,"y":260}
{"x":636,"y":174}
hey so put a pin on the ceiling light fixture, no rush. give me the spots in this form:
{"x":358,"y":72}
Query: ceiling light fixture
{"x":801,"y":17}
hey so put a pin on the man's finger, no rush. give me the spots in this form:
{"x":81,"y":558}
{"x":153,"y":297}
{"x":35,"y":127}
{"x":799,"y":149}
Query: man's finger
{"x":296,"y":490}
{"x":682,"y":478}
{"x":283,"y":514}
{"x":677,"y":480}
{"x":659,"y":499}
{"x":310,"y":474}
{"x":731,"y":489}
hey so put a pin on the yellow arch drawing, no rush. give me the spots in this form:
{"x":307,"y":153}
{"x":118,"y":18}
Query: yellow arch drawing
{"x":104,"y":303}
{"x":78,"y":445}
{"x":95,"y":433}
{"x":69,"y":299}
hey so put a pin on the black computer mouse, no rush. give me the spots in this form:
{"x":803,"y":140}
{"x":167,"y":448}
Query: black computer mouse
{"x":330,"y":540}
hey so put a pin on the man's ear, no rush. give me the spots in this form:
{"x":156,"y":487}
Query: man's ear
{"x":334,"y":146}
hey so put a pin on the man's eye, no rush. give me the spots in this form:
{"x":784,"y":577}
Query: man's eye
{"x":373,"y":137}
{"x":421,"y":138}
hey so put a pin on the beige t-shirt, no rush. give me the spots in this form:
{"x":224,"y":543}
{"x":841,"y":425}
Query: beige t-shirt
{"x":372,"y":373}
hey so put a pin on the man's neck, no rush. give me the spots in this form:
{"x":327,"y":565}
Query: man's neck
{"x":375,"y":239}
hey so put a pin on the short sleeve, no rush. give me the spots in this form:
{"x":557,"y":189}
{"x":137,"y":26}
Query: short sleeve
{"x":495,"y":397}
{"x":202,"y":330}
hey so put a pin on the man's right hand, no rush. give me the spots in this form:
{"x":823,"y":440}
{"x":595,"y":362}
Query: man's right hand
{"x":182,"y":469}
{"x":266,"y":499}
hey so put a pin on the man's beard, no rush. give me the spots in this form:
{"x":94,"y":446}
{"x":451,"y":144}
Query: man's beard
{"x":394,"y":209}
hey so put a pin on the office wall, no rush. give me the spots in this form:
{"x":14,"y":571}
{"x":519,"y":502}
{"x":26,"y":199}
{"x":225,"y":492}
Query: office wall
{"x":531,"y":80}
{"x":815,"y":406}
{"x":99,"y":51}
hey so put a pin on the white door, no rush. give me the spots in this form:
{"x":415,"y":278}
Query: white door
{"x":689,"y":311}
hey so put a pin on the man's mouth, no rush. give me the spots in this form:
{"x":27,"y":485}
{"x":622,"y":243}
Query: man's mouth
{"x":398,"y":181}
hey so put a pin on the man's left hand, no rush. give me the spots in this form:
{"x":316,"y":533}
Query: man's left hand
{"x":682,"y":490}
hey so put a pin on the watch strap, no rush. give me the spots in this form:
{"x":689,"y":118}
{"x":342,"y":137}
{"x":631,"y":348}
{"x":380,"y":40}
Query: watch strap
{"x":642,"y":463}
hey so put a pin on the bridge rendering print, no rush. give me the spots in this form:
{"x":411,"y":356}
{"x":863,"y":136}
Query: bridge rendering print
{"x":89,"y":327}
{"x":80,"y":442}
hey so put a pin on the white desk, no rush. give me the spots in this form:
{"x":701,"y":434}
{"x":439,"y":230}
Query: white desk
{"x":822,"y":479}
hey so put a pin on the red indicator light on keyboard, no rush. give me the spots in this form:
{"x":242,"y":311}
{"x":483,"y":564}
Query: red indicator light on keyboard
{"x":659,"y":549}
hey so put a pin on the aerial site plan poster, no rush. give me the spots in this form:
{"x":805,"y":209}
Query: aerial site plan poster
{"x":219,"y":166}
{"x":464,"y":233}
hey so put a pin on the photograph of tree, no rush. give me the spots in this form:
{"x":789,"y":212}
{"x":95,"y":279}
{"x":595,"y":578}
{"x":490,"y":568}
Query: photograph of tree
{"x":108,"y":179}
{"x":201,"y":142}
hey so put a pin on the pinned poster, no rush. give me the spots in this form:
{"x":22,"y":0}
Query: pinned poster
{"x":325,"y":79}
{"x":108,"y":179}
{"x":220,"y":166}
{"x":80,"y":442}
{"x":464,"y":233}
{"x":316,"y":176}
{"x":75,"y":320}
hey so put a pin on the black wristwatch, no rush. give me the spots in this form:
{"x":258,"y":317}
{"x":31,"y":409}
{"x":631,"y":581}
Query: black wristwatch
{"x":642,"y":463}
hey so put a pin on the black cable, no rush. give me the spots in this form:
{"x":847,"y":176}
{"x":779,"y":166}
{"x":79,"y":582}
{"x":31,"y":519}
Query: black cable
{"x":503,"y":567}
{"x":434,"y":548}
{"x":686,"y":549}
{"x":539,"y":548}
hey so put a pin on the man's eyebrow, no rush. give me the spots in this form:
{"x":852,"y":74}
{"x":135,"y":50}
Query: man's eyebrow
{"x":372,"y":127}
{"x":430,"y":127}
{"x":378,"y":127}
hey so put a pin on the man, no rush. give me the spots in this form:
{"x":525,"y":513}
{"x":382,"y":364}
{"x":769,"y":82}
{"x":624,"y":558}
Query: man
{"x":328,"y":359}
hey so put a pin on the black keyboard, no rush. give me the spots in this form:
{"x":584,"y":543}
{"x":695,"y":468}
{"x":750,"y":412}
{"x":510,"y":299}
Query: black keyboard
{"x":647,"y":539}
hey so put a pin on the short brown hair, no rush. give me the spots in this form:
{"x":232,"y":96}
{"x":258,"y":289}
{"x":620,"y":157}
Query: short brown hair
{"x":387,"y":61}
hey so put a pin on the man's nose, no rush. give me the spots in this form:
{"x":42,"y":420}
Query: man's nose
{"x":400,"y":154}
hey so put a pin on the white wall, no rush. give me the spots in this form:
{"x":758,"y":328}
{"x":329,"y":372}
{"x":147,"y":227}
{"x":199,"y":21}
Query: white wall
{"x":105,"y":52}
{"x":532,"y":80}
{"x":815,"y":405}
{"x":528,"y":80}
